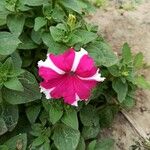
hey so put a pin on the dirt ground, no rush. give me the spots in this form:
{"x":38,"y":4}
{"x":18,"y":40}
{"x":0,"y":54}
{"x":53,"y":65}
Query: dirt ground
{"x":119,"y":26}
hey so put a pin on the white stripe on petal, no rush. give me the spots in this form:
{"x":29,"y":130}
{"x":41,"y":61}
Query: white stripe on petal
{"x":96,"y":77}
{"x":46,"y":92}
{"x":78,"y":56}
{"x":49,"y":64}
{"x":75,"y":103}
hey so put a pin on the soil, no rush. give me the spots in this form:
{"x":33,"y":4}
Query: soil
{"x":120,"y":26}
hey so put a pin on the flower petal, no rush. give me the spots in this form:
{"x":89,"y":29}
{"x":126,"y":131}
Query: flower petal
{"x":46,"y":92}
{"x":65,"y":90}
{"x":65,"y":60}
{"x":86,"y":67}
{"x":48,"y":73}
{"x":96,"y":77}
{"x":71,"y":76}
{"x":83,"y":88}
{"x":78,"y":56}
{"x":75,"y":103}
{"x":49,"y":64}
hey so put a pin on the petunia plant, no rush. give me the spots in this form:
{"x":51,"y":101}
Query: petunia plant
{"x":60,"y":82}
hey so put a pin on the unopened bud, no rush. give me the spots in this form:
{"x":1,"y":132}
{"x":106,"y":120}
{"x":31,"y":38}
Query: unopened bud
{"x":71,"y":21}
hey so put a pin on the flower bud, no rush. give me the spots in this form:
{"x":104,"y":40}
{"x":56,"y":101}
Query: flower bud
{"x":71,"y":21}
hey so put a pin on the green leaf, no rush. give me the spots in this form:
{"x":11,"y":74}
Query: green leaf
{"x":92,"y":145}
{"x":15,"y":23}
{"x":53,"y":46}
{"x":17,"y":61}
{"x":29,"y":23}
{"x":46,"y":146}
{"x":36,"y":37}
{"x":1,"y":98}
{"x":2,"y":58}
{"x":55,"y":112}
{"x":81,"y":144}
{"x":102,"y":54}
{"x":9,"y":117}
{"x":46,"y":104}
{"x":89,"y":116}
{"x":57,"y":14}
{"x":38,"y":141}
{"x":126,"y":53}
{"x":114,"y":70}
{"x":39,"y":23}
{"x":5,"y":70}
{"x":106,"y":115}
{"x":44,"y":117}
{"x":3,"y":127}
{"x":22,"y":7}
{"x":74,"y":39}
{"x":17,"y":142}
{"x":31,"y":91}
{"x":128,"y":103}
{"x":37,"y":129}
{"x":86,"y":36}
{"x":72,"y":4}
{"x":3,"y":13}
{"x":32,"y":112}
{"x":14,"y":84}
{"x":10,"y":5}
{"x":66,"y":138}
{"x":105,"y":144}
{"x":5,"y":38}
{"x":57,"y":34}
{"x":138,"y":60}
{"x":70,"y":118}
{"x":3,"y":16}
{"x":15,"y":72}
{"x":7,"y":66}
{"x":27,"y":43}
{"x":3,"y":147}
{"x":120,"y":88}
{"x":47,"y":10}
{"x":90,"y":132}
{"x":141,"y":82}
{"x":35,"y":2}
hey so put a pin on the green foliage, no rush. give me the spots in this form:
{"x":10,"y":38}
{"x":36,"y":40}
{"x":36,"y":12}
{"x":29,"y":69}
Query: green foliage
{"x":90,"y":132}
{"x":39,"y":23}
{"x":92,"y":117}
{"x":30,"y":92}
{"x":29,"y":30}
{"x":7,"y":49}
{"x":107,"y":114}
{"x":55,"y":112}
{"x":104,"y":144}
{"x":126,"y":77}
{"x":8,"y":117}
{"x":15,"y":23}
{"x":102,"y":53}
{"x":70,"y":118}
{"x":33,"y":112}
{"x":120,"y":88}
{"x":17,"y":142}
{"x":66,"y":138}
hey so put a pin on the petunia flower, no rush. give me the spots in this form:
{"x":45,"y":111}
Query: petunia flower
{"x":71,"y":76}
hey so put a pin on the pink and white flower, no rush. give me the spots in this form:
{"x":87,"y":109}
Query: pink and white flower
{"x":71,"y":76}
